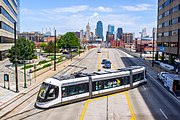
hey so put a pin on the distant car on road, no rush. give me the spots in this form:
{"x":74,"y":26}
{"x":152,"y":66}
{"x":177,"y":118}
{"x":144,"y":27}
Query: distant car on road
{"x":103,"y":61}
{"x":99,"y":51}
{"x":107,"y":64}
{"x":161,"y":76}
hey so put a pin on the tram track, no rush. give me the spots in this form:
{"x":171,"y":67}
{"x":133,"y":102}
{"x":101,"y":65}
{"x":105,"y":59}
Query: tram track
{"x":16,"y":112}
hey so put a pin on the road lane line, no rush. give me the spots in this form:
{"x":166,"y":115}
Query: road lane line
{"x":84,"y":110}
{"x":99,"y":63}
{"x":163,"y":114}
{"x":144,"y":87}
{"x":130,"y":107}
{"x":107,"y":55}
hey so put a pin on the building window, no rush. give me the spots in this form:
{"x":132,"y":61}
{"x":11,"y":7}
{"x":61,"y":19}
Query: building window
{"x":166,"y":23}
{"x":159,"y":34}
{"x":166,"y":13}
{"x":10,"y":7}
{"x":166,"y":44}
{"x":160,"y":7}
{"x":174,"y":32}
{"x":167,"y":3}
{"x":6,"y":27}
{"x":6,"y":14}
{"x":173,"y":44}
{"x":176,"y":8}
{"x":160,"y":25}
{"x":166,"y":33}
{"x":174,"y":21}
{"x":160,"y":16}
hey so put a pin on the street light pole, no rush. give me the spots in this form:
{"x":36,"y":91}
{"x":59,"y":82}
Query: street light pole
{"x":153,"y":49}
{"x":24,"y":69}
{"x":15,"y":45}
{"x":140,"y":45}
{"x":55,"y":50}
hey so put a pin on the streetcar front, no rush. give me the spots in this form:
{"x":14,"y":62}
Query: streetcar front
{"x":48,"y":95}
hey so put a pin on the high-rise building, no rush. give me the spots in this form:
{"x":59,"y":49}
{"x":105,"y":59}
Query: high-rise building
{"x":9,"y":14}
{"x":99,"y":30}
{"x":111,"y":29}
{"x":119,"y":33}
{"x":168,"y":38}
{"x":88,"y":32}
{"x":127,"y":39}
{"x":81,"y":36}
{"x":144,"y":33}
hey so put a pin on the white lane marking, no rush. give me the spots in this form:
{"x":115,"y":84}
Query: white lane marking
{"x":27,"y":106}
{"x":144,"y":87}
{"x":163,"y":114}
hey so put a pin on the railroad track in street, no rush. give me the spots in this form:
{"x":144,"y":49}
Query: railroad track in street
{"x":19,"y":109}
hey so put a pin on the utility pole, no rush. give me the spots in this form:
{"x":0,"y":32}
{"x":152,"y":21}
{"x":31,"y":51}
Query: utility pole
{"x":25,"y":68}
{"x":153,"y":47}
{"x":15,"y":44}
{"x":140,"y":45}
{"x":54,"y":49}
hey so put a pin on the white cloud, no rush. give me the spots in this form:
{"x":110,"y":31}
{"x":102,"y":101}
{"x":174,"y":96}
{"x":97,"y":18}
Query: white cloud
{"x":95,"y":14}
{"x":72,"y":9}
{"x":103,"y":9}
{"x":139,"y":7}
{"x":25,"y":11}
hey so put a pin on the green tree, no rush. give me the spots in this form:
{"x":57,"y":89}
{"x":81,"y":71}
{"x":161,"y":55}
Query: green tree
{"x":50,"y":47}
{"x":25,"y":50}
{"x":43,"y":45}
{"x":68,"y":40}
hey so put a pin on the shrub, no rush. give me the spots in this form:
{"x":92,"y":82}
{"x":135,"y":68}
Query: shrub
{"x":28,"y":66}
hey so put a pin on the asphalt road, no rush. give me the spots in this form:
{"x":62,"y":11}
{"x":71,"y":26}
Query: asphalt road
{"x":149,"y":101}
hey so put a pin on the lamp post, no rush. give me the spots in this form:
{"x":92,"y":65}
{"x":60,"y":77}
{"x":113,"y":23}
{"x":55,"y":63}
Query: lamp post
{"x":24,"y":68}
{"x":153,"y":48}
{"x":140,"y":45}
{"x":15,"y":44}
{"x":54,"y":49}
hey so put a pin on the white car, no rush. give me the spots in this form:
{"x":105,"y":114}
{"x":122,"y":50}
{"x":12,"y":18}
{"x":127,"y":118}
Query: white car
{"x":161,"y":76}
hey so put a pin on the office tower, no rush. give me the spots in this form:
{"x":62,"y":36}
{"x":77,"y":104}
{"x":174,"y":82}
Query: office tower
{"x":111,"y":29}
{"x":168,"y":41}
{"x":81,"y":35}
{"x":9,"y":14}
{"x":144,"y":34}
{"x":99,"y":30}
{"x":119,"y":33}
{"x":88,"y":32}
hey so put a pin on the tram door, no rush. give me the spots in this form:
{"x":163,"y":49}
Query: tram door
{"x":176,"y":87}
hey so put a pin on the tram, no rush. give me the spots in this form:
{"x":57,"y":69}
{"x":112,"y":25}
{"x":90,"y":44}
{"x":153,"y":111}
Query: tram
{"x":61,"y":90}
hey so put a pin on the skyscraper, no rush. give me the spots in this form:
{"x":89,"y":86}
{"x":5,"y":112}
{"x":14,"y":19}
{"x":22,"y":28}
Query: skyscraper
{"x":88,"y":32}
{"x":119,"y":33}
{"x":111,"y":29}
{"x":81,"y":36}
{"x":168,"y":32}
{"x":99,"y":30}
{"x":8,"y":16}
{"x":144,"y":34}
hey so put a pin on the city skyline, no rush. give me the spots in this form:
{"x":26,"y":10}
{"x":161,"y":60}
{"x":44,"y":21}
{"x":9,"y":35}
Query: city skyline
{"x":132,"y":16}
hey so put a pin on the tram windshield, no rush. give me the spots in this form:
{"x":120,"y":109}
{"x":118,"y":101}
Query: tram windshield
{"x":47,"y":92}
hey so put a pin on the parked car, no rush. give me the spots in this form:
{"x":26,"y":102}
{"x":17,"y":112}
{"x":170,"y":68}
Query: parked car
{"x":103,"y":61}
{"x":161,"y":76}
{"x":107,"y":64}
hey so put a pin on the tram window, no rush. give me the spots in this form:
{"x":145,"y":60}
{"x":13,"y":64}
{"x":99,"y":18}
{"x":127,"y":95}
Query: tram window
{"x":75,"y":89}
{"x":53,"y":92}
{"x":125,"y":80}
{"x":138,"y":77}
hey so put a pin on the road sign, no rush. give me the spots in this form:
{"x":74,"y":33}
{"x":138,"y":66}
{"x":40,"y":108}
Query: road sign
{"x":161,"y":48}
{"x":6,"y":77}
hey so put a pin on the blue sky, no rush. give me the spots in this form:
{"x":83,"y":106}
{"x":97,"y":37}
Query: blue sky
{"x":73,"y":15}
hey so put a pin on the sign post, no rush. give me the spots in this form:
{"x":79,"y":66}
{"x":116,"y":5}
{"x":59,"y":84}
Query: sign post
{"x":6,"y":79}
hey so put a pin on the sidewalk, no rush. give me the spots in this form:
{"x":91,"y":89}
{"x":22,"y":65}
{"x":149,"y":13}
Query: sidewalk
{"x":7,"y":96}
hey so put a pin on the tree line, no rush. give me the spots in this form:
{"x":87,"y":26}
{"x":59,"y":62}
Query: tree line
{"x":26,"y":49}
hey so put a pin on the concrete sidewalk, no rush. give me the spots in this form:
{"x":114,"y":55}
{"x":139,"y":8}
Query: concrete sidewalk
{"x":9,"y":96}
